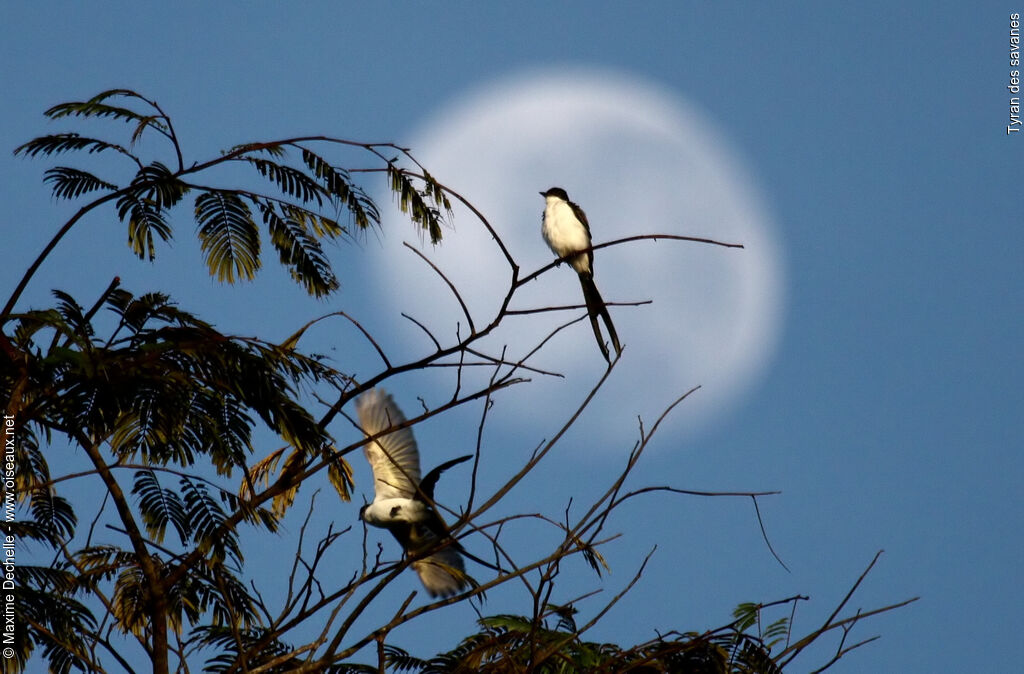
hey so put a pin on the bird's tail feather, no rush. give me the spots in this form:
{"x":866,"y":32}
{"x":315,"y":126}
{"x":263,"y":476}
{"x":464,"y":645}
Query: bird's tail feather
{"x":596,"y":307}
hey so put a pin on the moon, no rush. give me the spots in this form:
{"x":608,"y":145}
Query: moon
{"x":639,"y":160}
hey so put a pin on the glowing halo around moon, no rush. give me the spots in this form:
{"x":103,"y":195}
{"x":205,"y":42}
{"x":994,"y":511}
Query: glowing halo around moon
{"x":639,"y":161}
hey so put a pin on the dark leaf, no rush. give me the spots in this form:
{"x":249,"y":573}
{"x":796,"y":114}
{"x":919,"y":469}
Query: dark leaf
{"x":145,"y":219}
{"x":228,"y":236}
{"x":70,"y":183}
{"x":159,"y":507}
{"x":72,"y":313}
{"x":273,"y":149}
{"x":339,"y":472}
{"x":159,"y":185}
{"x":206,"y":517}
{"x":66,"y":142}
{"x":96,"y":107}
{"x":291,"y":181}
{"x":346,"y":194}
{"x":54,"y":515}
{"x":413,"y":203}
{"x":299,"y":251}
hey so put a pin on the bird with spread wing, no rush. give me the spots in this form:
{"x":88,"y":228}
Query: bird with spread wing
{"x":403,"y":503}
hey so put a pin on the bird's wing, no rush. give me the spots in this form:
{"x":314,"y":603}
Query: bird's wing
{"x":580,"y":215}
{"x":393,"y":457}
{"x":442,"y":573}
{"x":428,"y":483}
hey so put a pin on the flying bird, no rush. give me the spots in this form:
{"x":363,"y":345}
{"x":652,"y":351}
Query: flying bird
{"x":403,"y":503}
{"x":566,"y":230}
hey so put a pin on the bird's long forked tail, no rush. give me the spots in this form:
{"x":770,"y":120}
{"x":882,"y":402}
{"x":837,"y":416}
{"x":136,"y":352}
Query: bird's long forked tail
{"x":596,"y":307}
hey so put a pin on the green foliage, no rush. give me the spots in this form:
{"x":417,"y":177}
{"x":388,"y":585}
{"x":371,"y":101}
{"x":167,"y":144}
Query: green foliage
{"x":338,"y":183}
{"x":62,"y":625}
{"x":298,"y":248}
{"x":144,"y":220}
{"x":207,"y":519}
{"x":258,"y":644}
{"x":423,"y":206}
{"x":59,"y":143}
{"x":144,"y":205}
{"x":228,"y":236}
{"x":163,"y":389}
{"x":511,"y":643}
{"x":53,"y":516}
{"x":100,"y":563}
{"x":160,"y":507}
{"x":163,"y":407}
{"x":299,"y":211}
{"x":71,"y":183}
{"x":96,"y":107}
{"x":292,"y":182}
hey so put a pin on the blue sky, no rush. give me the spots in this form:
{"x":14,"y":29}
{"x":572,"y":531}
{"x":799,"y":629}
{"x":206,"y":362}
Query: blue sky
{"x":888,"y":414}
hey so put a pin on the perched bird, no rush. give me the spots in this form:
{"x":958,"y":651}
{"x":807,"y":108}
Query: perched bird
{"x":565,"y":230}
{"x":403,"y":503}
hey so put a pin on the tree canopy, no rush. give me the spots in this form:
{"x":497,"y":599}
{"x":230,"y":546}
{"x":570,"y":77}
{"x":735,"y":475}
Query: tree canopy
{"x":167,"y":410}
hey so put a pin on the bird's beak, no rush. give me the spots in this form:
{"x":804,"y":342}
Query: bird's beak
{"x":540,"y":193}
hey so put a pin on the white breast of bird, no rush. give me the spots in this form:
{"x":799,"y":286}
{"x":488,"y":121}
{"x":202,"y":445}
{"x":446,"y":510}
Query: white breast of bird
{"x":390,"y":510}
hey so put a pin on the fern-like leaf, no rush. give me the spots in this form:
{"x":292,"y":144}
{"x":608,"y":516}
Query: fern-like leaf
{"x":54,"y":514}
{"x":260,"y":646}
{"x":273,"y":149}
{"x":363,"y":209}
{"x":159,"y":185}
{"x":506,"y":622}
{"x":401,"y":660}
{"x":71,"y":183}
{"x":259,"y":473}
{"x":746,"y":615}
{"x":206,"y":517}
{"x":129,"y":601}
{"x":336,"y":181}
{"x":775,"y":632}
{"x":227,"y":599}
{"x":290,"y":180}
{"x":299,"y":251}
{"x":293,"y":464}
{"x":159,"y":507}
{"x":96,"y":107}
{"x":145,"y":219}
{"x":57,"y":623}
{"x":100,"y":563}
{"x":339,"y":185}
{"x":72,"y":313}
{"x":413,"y":203}
{"x":67,"y":142}
{"x":339,"y":472}
{"x":228,"y":236}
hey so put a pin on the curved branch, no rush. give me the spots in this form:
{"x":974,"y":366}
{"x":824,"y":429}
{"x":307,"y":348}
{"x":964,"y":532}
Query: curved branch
{"x":451,"y":286}
{"x":639,"y":237}
{"x":48,"y":248}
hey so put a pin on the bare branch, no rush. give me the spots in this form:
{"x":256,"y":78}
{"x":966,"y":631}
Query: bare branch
{"x":640,"y":237}
{"x":451,"y":286}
